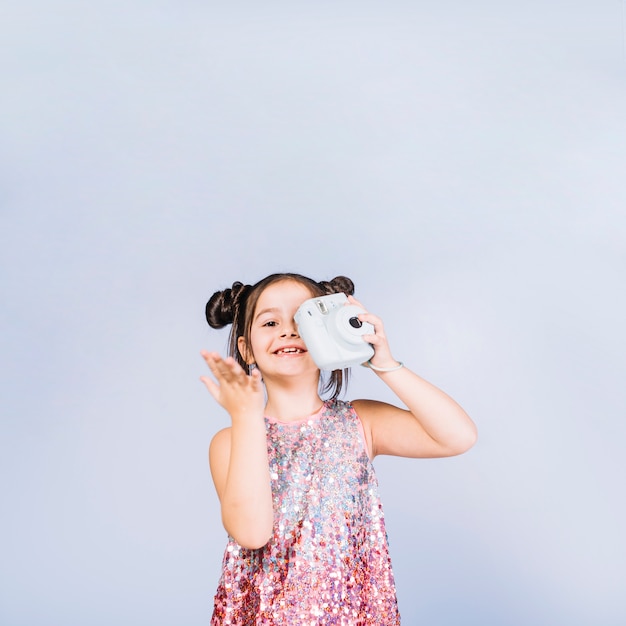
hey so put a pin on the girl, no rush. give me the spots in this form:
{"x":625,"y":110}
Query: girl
{"x":294,"y":475}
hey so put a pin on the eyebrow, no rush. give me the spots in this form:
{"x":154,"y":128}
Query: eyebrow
{"x":270,"y":310}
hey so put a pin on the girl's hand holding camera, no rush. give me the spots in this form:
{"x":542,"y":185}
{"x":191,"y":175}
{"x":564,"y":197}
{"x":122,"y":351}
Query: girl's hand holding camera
{"x":340,"y":333}
{"x":382,"y":353}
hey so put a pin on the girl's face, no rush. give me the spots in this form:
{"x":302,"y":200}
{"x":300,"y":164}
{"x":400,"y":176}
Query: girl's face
{"x":275,"y":345}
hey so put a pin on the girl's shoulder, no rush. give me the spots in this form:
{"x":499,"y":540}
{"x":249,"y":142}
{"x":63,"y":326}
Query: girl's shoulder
{"x":219,"y":458}
{"x":376,"y":417}
{"x":365,"y":409}
{"x":347,"y":407}
{"x":219,"y":448}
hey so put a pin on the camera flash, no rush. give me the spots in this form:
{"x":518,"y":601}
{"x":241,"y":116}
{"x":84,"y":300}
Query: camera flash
{"x":322,"y":307}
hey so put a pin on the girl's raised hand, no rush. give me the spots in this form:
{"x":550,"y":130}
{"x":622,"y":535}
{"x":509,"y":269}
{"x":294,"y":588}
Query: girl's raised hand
{"x":241,"y":395}
{"x":382,"y":353}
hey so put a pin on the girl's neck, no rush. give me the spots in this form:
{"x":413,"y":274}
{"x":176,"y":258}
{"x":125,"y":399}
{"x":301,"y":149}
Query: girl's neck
{"x":292,"y":402}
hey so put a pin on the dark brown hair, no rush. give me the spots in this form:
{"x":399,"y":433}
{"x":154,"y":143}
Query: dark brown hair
{"x":237,"y":304}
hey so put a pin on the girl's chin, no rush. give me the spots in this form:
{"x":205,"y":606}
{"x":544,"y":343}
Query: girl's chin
{"x":286,"y":366}
{"x":295,"y":357}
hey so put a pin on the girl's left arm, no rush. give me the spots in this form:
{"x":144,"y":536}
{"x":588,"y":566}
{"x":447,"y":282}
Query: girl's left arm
{"x":434,"y":425}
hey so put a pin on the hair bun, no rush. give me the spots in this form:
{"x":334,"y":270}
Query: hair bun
{"x":223,"y":306}
{"x":339,"y":284}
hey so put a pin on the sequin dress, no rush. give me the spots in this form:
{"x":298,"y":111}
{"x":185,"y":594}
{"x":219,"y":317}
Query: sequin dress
{"x":328,"y":559}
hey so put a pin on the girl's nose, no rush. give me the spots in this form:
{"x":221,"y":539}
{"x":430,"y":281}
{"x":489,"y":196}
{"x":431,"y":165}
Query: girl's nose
{"x":291,"y":330}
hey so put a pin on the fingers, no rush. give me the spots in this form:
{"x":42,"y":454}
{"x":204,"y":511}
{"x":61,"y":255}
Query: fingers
{"x":378,"y":338}
{"x":214,"y":389}
{"x":366,"y":317}
{"x":226,"y":370}
{"x":376,"y":322}
{"x":257,"y":379}
{"x":235,"y":390}
{"x":353,"y":300}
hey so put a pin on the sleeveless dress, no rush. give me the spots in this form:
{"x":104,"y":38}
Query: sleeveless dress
{"x":327,"y":562}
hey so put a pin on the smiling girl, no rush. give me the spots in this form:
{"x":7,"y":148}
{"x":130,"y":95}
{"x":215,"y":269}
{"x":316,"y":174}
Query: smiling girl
{"x":294,"y":475}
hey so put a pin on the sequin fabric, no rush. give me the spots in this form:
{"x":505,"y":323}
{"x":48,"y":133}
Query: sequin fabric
{"x":328,"y":559}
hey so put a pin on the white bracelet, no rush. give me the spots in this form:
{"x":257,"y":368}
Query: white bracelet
{"x":383,"y":369}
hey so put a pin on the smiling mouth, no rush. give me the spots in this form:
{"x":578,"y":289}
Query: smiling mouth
{"x":289,"y":351}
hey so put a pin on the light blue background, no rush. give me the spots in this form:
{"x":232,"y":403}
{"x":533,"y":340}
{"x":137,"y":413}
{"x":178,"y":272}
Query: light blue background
{"x":463,"y":162}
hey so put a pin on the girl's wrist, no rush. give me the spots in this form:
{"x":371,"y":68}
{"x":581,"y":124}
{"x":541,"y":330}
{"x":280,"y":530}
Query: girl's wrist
{"x":246,"y":416}
{"x":388,"y":368}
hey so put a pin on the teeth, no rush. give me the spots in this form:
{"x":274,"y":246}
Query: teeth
{"x":289,"y":350}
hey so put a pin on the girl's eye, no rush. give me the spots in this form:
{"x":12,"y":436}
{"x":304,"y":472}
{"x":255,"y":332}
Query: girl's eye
{"x":270,"y":323}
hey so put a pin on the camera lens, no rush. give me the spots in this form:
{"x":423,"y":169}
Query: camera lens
{"x":355,"y":322}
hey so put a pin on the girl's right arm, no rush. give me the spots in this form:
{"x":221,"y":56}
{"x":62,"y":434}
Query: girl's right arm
{"x":238,"y":455}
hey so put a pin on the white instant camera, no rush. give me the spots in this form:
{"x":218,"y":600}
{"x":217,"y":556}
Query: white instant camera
{"x":332,"y":332}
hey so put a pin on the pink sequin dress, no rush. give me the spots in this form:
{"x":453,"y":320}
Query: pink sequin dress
{"x":328,"y":559}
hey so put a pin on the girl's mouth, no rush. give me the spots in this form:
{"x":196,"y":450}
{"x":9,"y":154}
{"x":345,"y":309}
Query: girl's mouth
{"x":290,"y":350}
